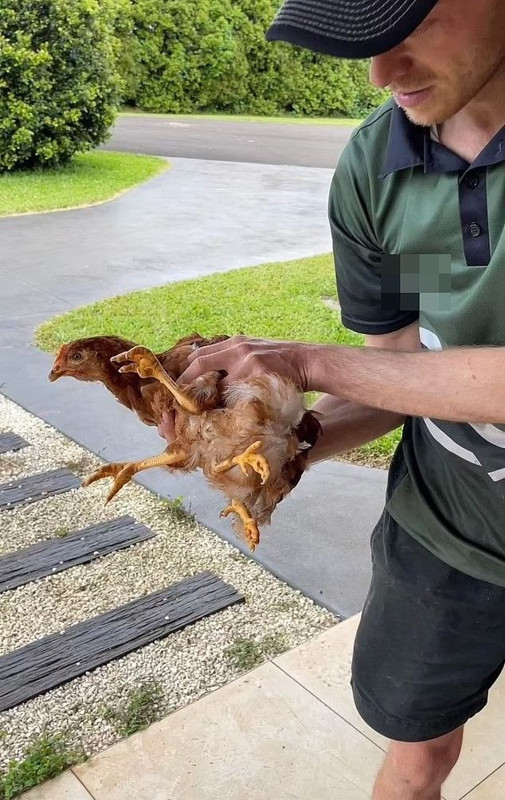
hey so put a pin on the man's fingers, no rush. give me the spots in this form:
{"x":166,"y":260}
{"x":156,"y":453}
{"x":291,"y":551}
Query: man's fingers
{"x":235,"y":356}
{"x":214,"y":357}
{"x":218,"y":347}
{"x":197,"y":367}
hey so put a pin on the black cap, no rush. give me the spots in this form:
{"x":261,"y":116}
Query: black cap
{"x":348,"y":28}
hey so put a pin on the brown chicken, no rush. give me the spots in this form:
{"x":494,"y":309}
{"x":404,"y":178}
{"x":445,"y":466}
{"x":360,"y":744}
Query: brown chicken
{"x":250,"y":439}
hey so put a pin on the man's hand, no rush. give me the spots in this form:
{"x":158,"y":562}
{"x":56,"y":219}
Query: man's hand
{"x":242,"y":357}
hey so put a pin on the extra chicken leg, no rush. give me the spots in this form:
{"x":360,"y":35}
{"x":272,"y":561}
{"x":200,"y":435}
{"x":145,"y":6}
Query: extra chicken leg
{"x":250,"y":458}
{"x":124,"y":472}
{"x":146,"y":365}
{"x":250,"y":525}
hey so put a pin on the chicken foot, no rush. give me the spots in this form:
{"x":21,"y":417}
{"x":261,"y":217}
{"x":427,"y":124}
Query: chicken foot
{"x":146,"y":365}
{"x":250,"y":525}
{"x":249,"y":458}
{"x":123,"y":472}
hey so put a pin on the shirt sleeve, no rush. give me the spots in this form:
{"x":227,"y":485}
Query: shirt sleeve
{"x":359,"y":257}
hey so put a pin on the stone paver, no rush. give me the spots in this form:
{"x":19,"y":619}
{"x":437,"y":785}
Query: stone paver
{"x":490,"y":789}
{"x":65,"y":787}
{"x":322,"y":666}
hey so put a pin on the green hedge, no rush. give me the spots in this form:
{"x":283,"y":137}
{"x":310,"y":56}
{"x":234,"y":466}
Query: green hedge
{"x":58,"y":79}
{"x":183,"y":56}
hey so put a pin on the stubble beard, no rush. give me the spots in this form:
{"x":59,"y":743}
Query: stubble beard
{"x":459,"y":94}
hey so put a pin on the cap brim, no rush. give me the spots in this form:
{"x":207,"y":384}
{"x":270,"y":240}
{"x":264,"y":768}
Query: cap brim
{"x":357,"y":47}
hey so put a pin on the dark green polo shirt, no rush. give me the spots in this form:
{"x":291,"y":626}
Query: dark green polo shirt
{"x":397,"y":191}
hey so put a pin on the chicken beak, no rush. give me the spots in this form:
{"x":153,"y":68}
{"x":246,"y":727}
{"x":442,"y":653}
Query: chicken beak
{"x":58,"y":369}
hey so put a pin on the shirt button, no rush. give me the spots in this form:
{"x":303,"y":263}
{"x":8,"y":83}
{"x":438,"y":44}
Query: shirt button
{"x":475,"y":230}
{"x":472,"y":181}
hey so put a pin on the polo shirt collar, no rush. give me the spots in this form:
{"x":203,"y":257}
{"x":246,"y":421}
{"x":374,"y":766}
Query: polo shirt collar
{"x":406,"y":143}
{"x":411,"y":145}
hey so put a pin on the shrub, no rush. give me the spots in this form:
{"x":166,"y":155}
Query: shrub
{"x":183,"y":56}
{"x":58,"y":80}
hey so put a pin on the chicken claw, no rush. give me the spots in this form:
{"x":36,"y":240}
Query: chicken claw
{"x":146,"y":365}
{"x":123,"y":472}
{"x":249,"y":458}
{"x":252,"y":533}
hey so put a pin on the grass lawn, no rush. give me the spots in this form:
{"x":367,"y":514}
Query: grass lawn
{"x":287,"y":300}
{"x":131,"y":112}
{"x":89,"y":178}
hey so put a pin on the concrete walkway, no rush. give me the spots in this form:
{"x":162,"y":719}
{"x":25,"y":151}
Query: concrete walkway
{"x":197,"y":218}
{"x":285,"y":731}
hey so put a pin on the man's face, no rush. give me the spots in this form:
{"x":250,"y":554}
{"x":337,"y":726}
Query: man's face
{"x":447,"y":61}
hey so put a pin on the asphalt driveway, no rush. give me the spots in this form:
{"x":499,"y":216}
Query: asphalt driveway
{"x":219,"y":140}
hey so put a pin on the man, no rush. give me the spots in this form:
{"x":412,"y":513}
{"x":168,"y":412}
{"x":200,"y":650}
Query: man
{"x":425,"y":176}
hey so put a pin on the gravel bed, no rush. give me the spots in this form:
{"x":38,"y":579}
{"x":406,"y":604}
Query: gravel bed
{"x":187,"y":664}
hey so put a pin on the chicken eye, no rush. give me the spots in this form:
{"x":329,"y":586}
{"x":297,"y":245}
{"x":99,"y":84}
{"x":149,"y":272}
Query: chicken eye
{"x":76,"y":357}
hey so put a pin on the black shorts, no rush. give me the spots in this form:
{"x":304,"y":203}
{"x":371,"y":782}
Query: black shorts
{"x":431,"y":641}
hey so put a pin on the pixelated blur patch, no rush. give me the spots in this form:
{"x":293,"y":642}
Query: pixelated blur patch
{"x":416,"y":282}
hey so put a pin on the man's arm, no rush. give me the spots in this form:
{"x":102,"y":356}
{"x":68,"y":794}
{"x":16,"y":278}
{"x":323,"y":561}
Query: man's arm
{"x":462,"y":384}
{"x":347,"y":424}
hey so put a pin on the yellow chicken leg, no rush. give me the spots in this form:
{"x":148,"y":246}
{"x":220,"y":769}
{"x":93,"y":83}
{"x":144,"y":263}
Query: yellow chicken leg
{"x":250,"y":525}
{"x":249,"y":458}
{"x":123,"y":472}
{"x":147,"y":365}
